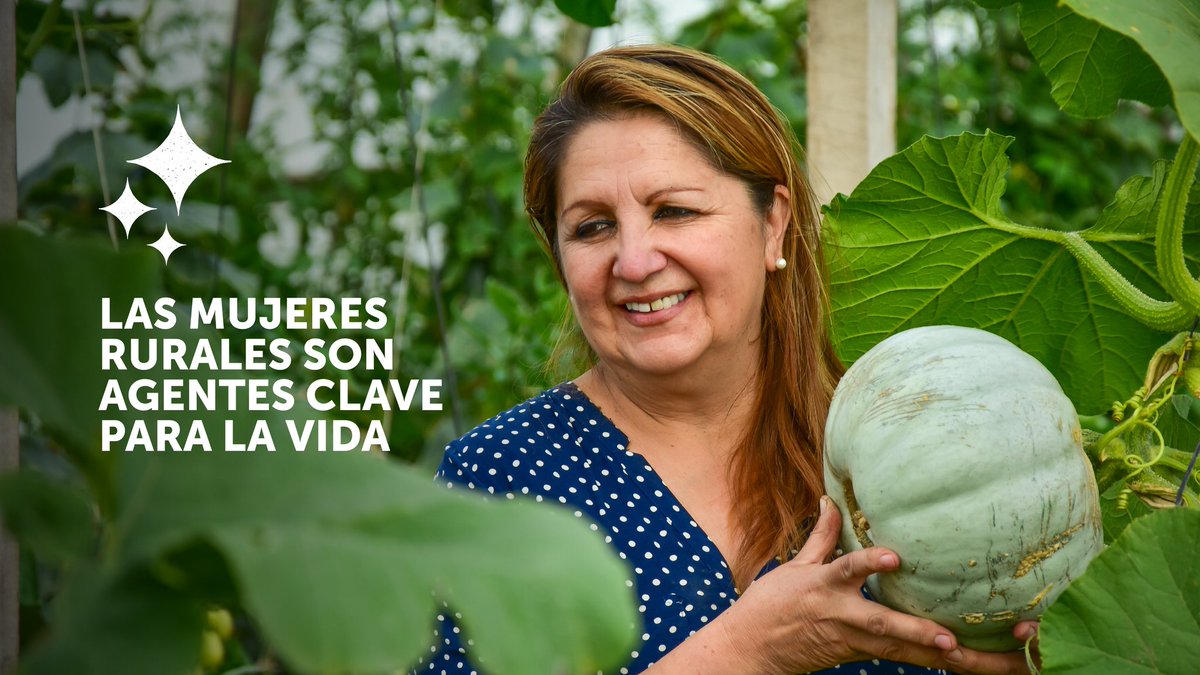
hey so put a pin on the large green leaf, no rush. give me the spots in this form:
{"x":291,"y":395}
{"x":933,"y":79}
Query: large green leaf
{"x":50,"y":332}
{"x":1137,"y":607}
{"x":119,"y":621}
{"x":923,"y":240}
{"x":1169,"y":31}
{"x":1090,"y":67}
{"x":595,"y":13}
{"x":339,"y":557}
{"x":318,"y":543}
{"x":50,"y":323}
{"x":49,"y":516}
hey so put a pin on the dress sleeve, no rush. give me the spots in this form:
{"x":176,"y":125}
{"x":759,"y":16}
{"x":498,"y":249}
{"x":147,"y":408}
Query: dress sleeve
{"x":455,"y":469}
{"x":464,"y":466}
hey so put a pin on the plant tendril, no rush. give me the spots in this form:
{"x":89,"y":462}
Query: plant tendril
{"x":1168,"y":242}
{"x":1028,"y":648}
{"x":1137,"y":463}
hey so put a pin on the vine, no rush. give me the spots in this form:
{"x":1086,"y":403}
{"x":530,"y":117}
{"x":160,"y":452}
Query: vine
{"x":1121,"y":454}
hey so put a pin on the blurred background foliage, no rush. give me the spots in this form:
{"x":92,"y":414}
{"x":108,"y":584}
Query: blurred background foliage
{"x":409,"y":182}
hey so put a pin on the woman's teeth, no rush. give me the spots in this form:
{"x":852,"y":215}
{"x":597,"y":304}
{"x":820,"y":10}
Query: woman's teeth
{"x":660,"y":304}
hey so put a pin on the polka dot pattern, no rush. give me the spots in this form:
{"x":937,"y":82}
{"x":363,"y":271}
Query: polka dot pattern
{"x":558,"y":447}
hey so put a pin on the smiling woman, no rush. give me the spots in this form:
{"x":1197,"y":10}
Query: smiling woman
{"x":668,"y":193}
{"x":665,"y":258}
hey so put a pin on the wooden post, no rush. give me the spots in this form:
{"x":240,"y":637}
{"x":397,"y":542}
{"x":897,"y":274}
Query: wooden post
{"x":10,"y":562}
{"x":851,"y":91}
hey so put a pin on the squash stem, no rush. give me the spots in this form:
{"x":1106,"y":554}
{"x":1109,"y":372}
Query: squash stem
{"x":1168,"y":245}
{"x":1156,"y":314}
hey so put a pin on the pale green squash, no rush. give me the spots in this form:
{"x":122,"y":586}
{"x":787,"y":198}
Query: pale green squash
{"x":960,"y":452}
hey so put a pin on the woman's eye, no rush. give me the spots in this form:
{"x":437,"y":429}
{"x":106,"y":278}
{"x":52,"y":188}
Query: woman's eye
{"x":673,"y":212}
{"x":592,"y":228}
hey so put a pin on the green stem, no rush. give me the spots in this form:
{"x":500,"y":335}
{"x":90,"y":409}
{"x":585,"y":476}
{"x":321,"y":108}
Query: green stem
{"x":1176,"y":459}
{"x":1172,"y":265}
{"x":44,"y":27}
{"x":1159,"y":315}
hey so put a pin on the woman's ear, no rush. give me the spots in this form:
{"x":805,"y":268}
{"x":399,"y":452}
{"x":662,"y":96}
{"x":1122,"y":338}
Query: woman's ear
{"x":779,"y":218}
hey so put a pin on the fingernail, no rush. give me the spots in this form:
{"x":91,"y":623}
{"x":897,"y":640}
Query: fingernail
{"x":1029,"y":632}
{"x":944,"y":642}
{"x":954,"y":656}
{"x":824,"y":505}
{"x":889,"y":560}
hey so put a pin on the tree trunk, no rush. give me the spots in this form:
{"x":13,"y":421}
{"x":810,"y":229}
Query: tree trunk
{"x":9,"y":555}
{"x":252,"y":23}
{"x":851,"y":91}
{"x":574,"y":46}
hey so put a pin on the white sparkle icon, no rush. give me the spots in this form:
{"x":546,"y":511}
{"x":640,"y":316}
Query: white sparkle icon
{"x":127,"y":208}
{"x":166,"y":244}
{"x":178,"y":161}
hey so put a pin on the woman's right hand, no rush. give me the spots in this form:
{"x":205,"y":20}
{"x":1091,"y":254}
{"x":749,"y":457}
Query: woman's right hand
{"x":809,"y":614}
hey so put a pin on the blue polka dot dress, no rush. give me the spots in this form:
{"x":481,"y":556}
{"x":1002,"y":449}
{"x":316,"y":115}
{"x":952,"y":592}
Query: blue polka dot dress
{"x":558,"y":447}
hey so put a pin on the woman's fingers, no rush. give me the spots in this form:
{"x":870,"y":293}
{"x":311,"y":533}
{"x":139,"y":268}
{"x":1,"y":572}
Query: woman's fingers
{"x":886,"y":633}
{"x":880,"y":622}
{"x":915,"y":642}
{"x":854,"y":568}
{"x":1026,"y":630}
{"x":962,"y":660}
{"x":857,"y":627}
{"x":822,"y":541}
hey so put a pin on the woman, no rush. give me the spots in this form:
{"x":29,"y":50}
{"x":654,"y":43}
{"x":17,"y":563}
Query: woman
{"x":666,"y":189}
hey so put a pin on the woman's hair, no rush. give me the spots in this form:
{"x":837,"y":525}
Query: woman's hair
{"x":776,"y":468}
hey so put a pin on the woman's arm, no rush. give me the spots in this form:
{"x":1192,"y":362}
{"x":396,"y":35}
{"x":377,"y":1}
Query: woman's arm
{"x":808,"y":614}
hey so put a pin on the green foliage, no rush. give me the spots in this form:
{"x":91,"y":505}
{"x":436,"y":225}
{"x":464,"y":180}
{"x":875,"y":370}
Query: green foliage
{"x":924,"y":240}
{"x":596,"y":13}
{"x":1091,"y":67}
{"x":48,"y":516}
{"x":1136,"y":609}
{"x":310,"y":544}
{"x":985,"y":78}
{"x":125,"y":620}
{"x":1170,"y":33}
{"x":759,"y":40}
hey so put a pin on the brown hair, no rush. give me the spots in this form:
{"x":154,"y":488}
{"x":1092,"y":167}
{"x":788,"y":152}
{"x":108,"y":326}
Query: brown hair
{"x":776,"y":473}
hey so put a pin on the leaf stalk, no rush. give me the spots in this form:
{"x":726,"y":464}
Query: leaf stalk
{"x":1168,"y":244}
{"x":1157,"y":314}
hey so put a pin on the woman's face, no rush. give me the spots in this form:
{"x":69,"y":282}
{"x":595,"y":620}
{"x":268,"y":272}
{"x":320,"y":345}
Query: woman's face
{"x":665,"y":257}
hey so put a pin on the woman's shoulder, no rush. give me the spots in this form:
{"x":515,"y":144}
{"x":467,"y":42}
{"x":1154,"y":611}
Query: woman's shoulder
{"x":527,"y":441}
{"x":530,"y":421}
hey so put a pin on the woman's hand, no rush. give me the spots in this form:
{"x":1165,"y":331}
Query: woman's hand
{"x":809,"y":614}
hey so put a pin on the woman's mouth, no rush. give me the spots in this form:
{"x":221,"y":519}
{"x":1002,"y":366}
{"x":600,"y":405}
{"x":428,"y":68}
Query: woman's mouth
{"x":665,"y":302}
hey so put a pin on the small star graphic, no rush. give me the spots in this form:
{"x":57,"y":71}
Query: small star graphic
{"x":127,"y":208}
{"x":166,"y":244}
{"x":178,"y":161}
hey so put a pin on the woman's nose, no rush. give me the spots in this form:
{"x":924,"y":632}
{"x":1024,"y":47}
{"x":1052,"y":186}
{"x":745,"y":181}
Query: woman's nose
{"x":638,"y":255}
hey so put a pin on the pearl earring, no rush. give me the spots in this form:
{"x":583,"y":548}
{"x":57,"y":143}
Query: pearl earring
{"x":780,"y":263}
